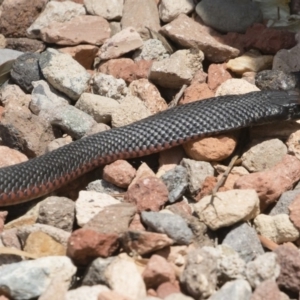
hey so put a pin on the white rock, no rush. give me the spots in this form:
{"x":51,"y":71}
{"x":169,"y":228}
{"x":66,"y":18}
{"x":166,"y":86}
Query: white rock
{"x":293,"y":143}
{"x":108,"y":9}
{"x":55,"y":11}
{"x":86,"y":292}
{"x":278,"y":228}
{"x":90,"y":203}
{"x":99,"y":107}
{"x":169,"y":9}
{"x":235,"y":87}
{"x":228,"y":208}
{"x":152,"y":50}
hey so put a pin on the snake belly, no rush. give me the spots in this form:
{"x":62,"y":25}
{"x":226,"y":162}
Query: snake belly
{"x":42,"y":175}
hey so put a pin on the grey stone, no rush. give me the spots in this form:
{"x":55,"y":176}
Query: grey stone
{"x":34,"y":276}
{"x":8,"y":54}
{"x":172,"y":225}
{"x":152,"y":50}
{"x":26,"y":69}
{"x":238,"y":289}
{"x":176,"y":181}
{"x":243,"y":239}
{"x":229,"y":15}
{"x":58,"y":212}
{"x":102,"y":186}
{"x":25,"y":45}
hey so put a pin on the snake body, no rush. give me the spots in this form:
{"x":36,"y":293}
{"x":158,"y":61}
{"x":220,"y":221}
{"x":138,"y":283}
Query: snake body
{"x":175,"y":126}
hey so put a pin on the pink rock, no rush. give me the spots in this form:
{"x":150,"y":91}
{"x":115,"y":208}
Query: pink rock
{"x":181,"y":207}
{"x":207,"y":187}
{"x":199,"y":77}
{"x":84,"y":54}
{"x":294,"y":209}
{"x":10,"y":157}
{"x":217,"y":74}
{"x":158,"y":271}
{"x":267,"y":290}
{"x":272,"y":183}
{"x":167,"y":288}
{"x":196,"y":92}
{"x":120,"y":173}
{"x":93,"y":30}
{"x":136,"y":224}
{"x":10,"y":238}
{"x":148,"y":193}
{"x":142,"y":172}
{"x":84,"y":245}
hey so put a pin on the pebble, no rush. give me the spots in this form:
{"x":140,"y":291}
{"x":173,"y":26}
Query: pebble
{"x":218,"y":15}
{"x":293,"y":144}
{"x":172,"y":225}
{"x":235,"y":86}
{"x":10,"y":157}
{"x":169,"y":10}
{"x":8,"y":54}
{"x":152,"y":49}
{"x":110,"y":10}
{"x":294,"y":212}
{"x":227,"y":208}
{"x":86,"y":292}
{"x":34,"y":276}
{"x":268,"y":290}
{"x":102,"y":186}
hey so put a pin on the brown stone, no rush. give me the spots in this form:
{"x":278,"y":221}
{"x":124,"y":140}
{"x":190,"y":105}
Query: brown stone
{"x":196,"y":92}
{"x":84,"y":54}
{"x":119,"y":173}
{"x":207,"y":187}
{"x":80,"y":29}
{"x":167,"y":288}
{"x":10,"y":157}
{"x":85,"y":245}
{"x":136,"y":224}
{"x":158,"y":271}
{"x":294,"y":209}
{"x":148,"y":193}
{"x":3,"y":215}
{"x":289,"y":260}
{"x":18,"y":15}
{"x":25,"y":45}
{"x":144,"y":242}
{"x":267,"y":290}
{"x":142,"y":172}
{"x":270,"y":184}
{"x":199,"y":77}
{"x":217,"y":74}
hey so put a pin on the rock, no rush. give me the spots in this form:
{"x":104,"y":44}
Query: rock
{"x":89,"y":203}
{"x":267,"y":290}
{"x":83,"y":54}
{"x":58,"y":212}
{"x":264,"y":267}
{"x":282,"y":205}
{"x":190,"y":34}
{"x":264,"y":155}
{"x":26,"y":69}
{"x":23,"y":11}
{"x":122,"y":42}
{"x":243,"y":239}
{"x":99,"y":107}
{"x":54,"y":11}
{"x":102,"y":186}
{"x":8,"y":54}
{"x":119,"y":173}
{"x":168,"y":288}
{"x":143,"y":242}
{"x":223,"y":212}
{"x":148,"y":193}
{"x":111,"y":295}
{"x":177,"y":70}
{"x":136,"y":224}
{"x":287,"y":60}
{"x":112,"y":219}
{"x":10,"y":157}
{"x":177,"y":296}
{"x":152,"y":50}
{"x":149,"y":94}
{"x":158,"y":271}
{"x":197,"y":172}
{"x":250,"y":62}
{"x":64,"y":73}
{"x":216,"y":75}
{"x":84,"y":245}
{"x":86,"y":292}
{"x":278,"y":228}
{"x":25,"y":45}
{"x":196,"y":92}
{"x":109,"y":86}
{"x":41,"y":244}
{"x":294,"y":212}
{"x":216,"y":148}
{"x":238,"y":289}
{"x":289,"y":261}
{"x":172,"y":225}
{"x":270,"y":184}
{"x":141,"y":14}
{"x":235,"y":87}
{"x":34,"y":276}
{"x":199,"y":276}
{"x":123,"y":277}
{"x":219,"y":14}
{"x":293,"y":145}
{"x":176,"y":180}
{"x":169,"y":10}
{"x":109,"y":10}
{"x":79,"y":30}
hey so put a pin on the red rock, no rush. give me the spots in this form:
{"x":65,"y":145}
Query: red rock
{"x":196,"y":92}
{"x":148,"y":193}
{"x":199,"y":77}
{"x":143,"y":242}
{"x":294,"y":209}
{"x":181,"y":207}
{"x":3,"y":215}
{"x":289,"y":260}
{"x":120,"y":173}
{"x":270,"y":184}
{"x":158,"y":271}
{"x":167,"y":288}
{"x":217,"y":74}
{"x":136,"y":224}
{"x":267,"y":290}
{"x":18,"y":15}
{"x":207,"y":187}
{"x":84,"y":54}
{"x":84,"y":245}
{"x":10,"y":157}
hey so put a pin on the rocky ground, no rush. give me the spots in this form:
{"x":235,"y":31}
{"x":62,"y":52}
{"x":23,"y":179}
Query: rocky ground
{"x":146,"y":229}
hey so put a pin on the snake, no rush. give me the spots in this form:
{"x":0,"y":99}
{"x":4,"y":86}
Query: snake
{"x":44,"y":174}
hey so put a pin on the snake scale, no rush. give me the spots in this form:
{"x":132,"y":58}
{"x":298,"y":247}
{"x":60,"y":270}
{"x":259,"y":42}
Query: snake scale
{"x":42,"y":175}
